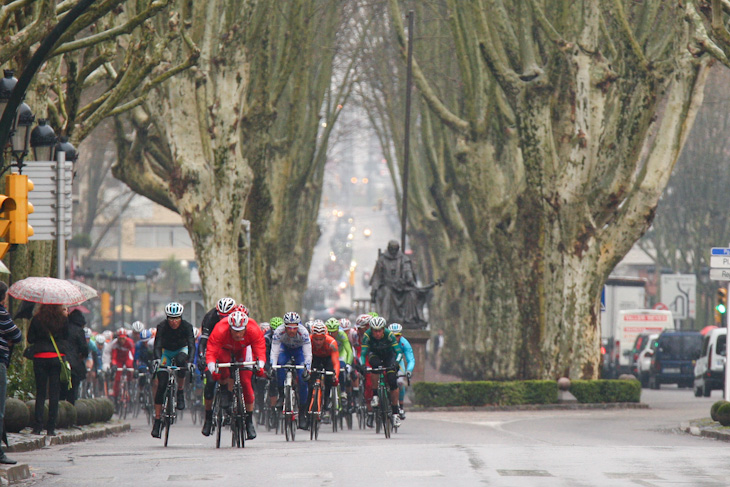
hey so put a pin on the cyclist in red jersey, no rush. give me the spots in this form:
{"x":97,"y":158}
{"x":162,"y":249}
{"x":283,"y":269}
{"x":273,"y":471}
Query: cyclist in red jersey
{"x":227,"y":343}
{"x":122,"y":356}
{"x":325,"y":355}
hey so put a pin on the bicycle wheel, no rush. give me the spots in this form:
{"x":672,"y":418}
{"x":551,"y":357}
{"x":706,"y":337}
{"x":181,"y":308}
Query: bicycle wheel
{"x":240,"y":423}
{"x":166,"y":416}
{"x":334,"y":400}
{"x":378,"y":420}
{"x":313,"y":409}
{"x":385,"y":410}
{"x":218,"y":420}
{"x":295,"y":407}
{"x":288,"y":414}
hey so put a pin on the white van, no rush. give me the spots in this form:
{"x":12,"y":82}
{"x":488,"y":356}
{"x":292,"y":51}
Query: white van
{"x":710,"y":367}
{"x":629,"y":325}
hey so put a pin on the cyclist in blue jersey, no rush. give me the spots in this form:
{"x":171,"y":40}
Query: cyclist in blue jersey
{"x":405,"y":366}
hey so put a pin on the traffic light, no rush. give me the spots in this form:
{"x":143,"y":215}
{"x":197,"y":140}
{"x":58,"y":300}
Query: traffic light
{"x":721,"y":307}
{"x":106,"y":309}
{"x":17,"y":187}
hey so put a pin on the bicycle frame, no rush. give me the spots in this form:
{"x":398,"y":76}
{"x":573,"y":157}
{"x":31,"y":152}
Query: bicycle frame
{"x":315,"y":404}
{"x":168,"y":404}
{"x":383,"y":414}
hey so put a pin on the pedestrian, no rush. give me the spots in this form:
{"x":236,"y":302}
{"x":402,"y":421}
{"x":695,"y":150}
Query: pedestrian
{"x":9,"y":336}
{"x":78,"y":351}
{"x":50,"y":321}
{"x":438,"y":346}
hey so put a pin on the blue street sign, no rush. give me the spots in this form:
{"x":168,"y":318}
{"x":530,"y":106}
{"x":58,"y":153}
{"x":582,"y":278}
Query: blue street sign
{"x":603,"y":299}
{"x":720,"y":251}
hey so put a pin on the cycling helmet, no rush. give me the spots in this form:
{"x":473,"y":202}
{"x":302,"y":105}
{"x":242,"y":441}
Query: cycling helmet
{"x":363,"y":321}
{"x":145,"y":334}
{"x":121,"y":332}
{"x":317,"y":321}
{"x":138,"y":326}
{"x":100,"y":339}
{"x":333,"y":325}
{"x":308,"y":325}
{"x":276,"y":322}
{"x":292,"y":318}
{"x":174,"y":310}
{"x":373,"y":314}
{"x":243,"y":309}
{"x":319,"y":329}
{"x":108,"y":335}
{"x":87,"y":332}
{"x":265,"y":326}
{"x":345,"y":324}
{"x":237,"y":321}
{"x":196,"y":332}
{"x":377,"y":323}
{"x":225,"y":306}
{"x":396,"y":328}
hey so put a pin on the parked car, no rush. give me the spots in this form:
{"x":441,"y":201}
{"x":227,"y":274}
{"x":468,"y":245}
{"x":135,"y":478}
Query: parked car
{"x":710,"y":367}
{"x":673,"y":356}
{"x":642,"y":360}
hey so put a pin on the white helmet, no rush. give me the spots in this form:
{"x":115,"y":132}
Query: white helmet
{"x":225,"y":306}
{"x":138,"y":326}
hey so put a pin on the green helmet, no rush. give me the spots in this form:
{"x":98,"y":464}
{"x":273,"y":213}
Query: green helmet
{"x":276,"y":322}
{"x":373,"y":314}
{"x":333,"y":325}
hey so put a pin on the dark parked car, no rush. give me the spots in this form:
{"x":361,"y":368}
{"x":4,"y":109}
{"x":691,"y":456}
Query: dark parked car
{"x":673,"y":358}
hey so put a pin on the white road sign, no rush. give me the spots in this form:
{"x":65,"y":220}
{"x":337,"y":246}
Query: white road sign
{"x":679,"y":292}
{"x":720,"y":274}
{"x":719,"y":262}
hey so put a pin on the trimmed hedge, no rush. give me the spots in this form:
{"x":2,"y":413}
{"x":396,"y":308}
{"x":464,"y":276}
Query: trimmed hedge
{"x":603,"y":391}
{"x":482,"y":393}
{"x":723,"y":414}
{"x":715,"y":407}
{"x":19,"y":415}
{"x":515,"y":393}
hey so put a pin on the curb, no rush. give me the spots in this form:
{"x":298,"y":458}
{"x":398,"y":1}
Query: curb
{"x":23,"y":442}
{"x":534,"y":407}
{"x":706,"y":428}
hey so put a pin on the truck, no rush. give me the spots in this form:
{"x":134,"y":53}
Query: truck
{"x":619,"y":293}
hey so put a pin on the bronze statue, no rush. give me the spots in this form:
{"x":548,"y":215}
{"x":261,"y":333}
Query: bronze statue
{"x":393,"y":288}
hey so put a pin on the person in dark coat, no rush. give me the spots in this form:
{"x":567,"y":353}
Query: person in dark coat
{"x":51,"y":319}
{"x":77,"y":353}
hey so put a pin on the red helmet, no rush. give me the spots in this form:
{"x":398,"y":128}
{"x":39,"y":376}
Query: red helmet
{"x":243,"y":309}
{"x":237,"y":321}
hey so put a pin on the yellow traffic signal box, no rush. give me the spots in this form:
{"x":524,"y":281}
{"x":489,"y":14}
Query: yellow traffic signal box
{"x":17,"y":187}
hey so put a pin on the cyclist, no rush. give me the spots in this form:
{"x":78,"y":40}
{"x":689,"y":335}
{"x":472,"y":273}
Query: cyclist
{"x":325,"y":355}
{"x":144,"y":355}
{"x":274,"y":323}
{"x":174,"y":342}
{"x":381,"y":349}
{"x":292,"y":341}
{"x":230,"y":343}
{"x":122,"y":356}
{"x":223,"y":308}
{"x":345,"y":352}
{"x":405,"y":366}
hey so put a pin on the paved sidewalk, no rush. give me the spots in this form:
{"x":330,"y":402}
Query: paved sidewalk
{"x":27,"y":441}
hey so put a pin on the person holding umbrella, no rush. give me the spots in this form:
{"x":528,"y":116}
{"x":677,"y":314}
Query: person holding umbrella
{"x":48,"y":336}
{"x":50,"y":321}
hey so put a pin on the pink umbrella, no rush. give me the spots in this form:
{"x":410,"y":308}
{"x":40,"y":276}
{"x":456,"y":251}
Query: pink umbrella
{"x":46,"y":290}
{"x":88,"y":291}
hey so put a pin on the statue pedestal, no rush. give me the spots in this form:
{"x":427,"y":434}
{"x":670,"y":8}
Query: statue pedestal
{"x":418,"y":339}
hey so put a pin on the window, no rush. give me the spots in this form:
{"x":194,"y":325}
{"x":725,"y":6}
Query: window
{"x":148,"y":236}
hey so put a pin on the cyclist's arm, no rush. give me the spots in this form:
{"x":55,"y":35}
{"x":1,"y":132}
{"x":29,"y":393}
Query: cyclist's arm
{"x":408,"y":352}
{"x":345,"y":349}
{"x":307,"y":349}
{"x":275,"y":349}
{"x":364,"y":348}
{"x":335,"y":356}
{"x":158,"y":343}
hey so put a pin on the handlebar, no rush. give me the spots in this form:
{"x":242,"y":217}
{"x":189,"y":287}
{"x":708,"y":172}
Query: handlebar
{"x":288,"y":366}
{"x":377,"y":370}
{"x":234,"y":365}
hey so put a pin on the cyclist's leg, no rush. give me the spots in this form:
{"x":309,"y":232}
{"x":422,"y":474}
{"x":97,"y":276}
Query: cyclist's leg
{"x":284,"y":356}
{"x":248,"y":399}
{"x":159,"y":397}
{"x":328,"y":380}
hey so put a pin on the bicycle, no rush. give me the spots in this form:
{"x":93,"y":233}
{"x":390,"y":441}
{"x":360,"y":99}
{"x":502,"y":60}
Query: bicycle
{"x":124,"y":399}
{"x":145,"y":400}
{"x":237,"y":409}
{"x":170,"y":398}
{"x":335,"y":409}
{"x":358,"y":403}
{"x":315,"y":403}
{"x":381,"y":403}
{"x":291,"y":404}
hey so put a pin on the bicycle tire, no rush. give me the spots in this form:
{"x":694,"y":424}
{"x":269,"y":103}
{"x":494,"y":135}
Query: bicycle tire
{"x":218,"y":427}
{"x":334,"y":399}
{"x":295,"y":407}
{"x":288,"y":413}
{"x":386,"y":410}
{"x":240,"y":416}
